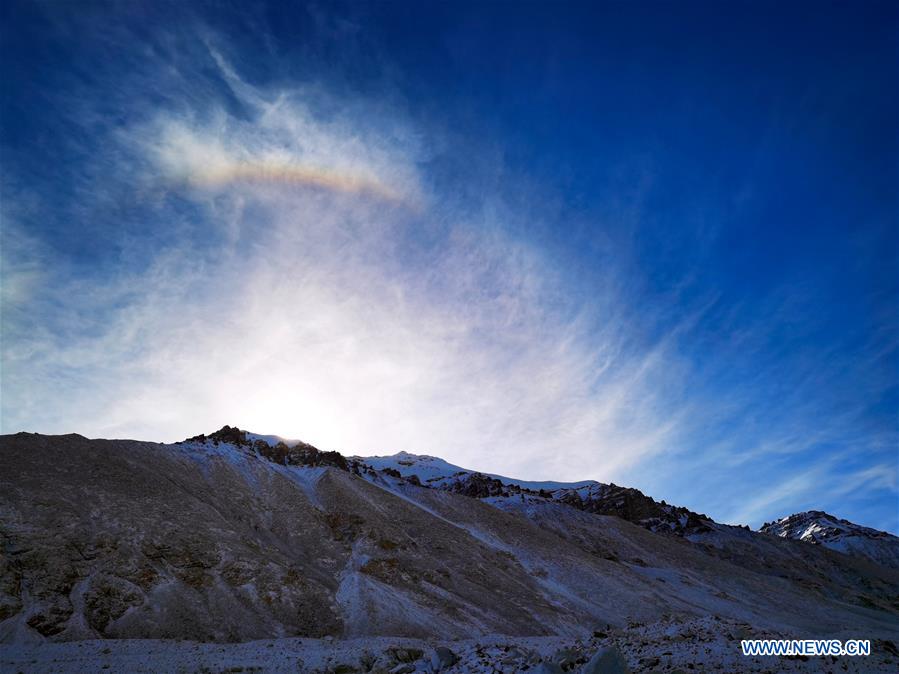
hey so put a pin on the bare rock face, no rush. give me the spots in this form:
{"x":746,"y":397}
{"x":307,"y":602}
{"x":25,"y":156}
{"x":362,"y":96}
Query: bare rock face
{"x":477,"y":485}
{"x":298,"y":454}
{"x":50,"y":618}
{"x":107,"y":599}
{"x":634,"y":506}
{"x":307,"y":455}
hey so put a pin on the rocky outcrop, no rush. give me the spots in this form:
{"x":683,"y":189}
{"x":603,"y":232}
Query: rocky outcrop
{"x":478,"y":485}
{"x":299,"y":454}
{"x":634,"y":506}
{"x":307,"y":455}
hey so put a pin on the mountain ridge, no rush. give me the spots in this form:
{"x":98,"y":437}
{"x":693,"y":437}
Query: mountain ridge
{"x":591,"y":495}
{"x":608,"y":499}
{"x":227,"y":538}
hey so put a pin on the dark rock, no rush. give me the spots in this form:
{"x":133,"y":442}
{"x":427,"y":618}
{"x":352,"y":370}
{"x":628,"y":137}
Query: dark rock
{"x":303,"y":454}
{"x":634,"y":506}
{"x":405,"y":654}
{"x":441,"y":658}
{"x":107,"y":599}
{"x":343,"y":669}
{"x":886,"y":646}
{"x":51,"y":619}
{"x":477,"y":485}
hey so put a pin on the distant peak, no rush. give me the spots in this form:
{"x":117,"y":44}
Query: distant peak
{"x":227,"y":434}
{"x":236,"y":436}
{"x":807,"y":516}
{"x":817,"y":526}
{"x":273,"y":448}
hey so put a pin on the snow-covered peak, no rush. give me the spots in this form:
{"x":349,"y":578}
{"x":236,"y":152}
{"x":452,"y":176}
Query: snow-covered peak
{"x":434,"y":471}
{"x":817,"y":526}
{"x":429,"y":469}
{"x":821,"y":528}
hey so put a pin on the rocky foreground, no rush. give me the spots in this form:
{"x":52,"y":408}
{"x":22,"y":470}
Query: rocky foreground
{"x":231,"y":552}
{"x":673,"y":646}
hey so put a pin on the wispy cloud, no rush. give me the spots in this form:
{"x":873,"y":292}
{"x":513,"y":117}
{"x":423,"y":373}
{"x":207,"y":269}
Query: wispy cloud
{"x":280,"y":145}
{"x":775,"y":496}
{"x":310,"y":309}
{"x":286,"y":258}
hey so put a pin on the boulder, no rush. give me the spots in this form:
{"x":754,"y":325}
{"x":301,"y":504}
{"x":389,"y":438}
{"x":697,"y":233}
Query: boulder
{"x":441,"y":658}
{"x":606,"y":661}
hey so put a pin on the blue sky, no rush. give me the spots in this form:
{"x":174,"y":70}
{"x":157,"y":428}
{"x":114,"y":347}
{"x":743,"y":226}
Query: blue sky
{"x":649,"y":243}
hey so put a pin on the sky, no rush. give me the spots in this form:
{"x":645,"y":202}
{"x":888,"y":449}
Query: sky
{"x":647,"y":243}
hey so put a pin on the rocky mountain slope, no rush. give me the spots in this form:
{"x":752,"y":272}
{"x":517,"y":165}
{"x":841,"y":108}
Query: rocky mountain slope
{"x":819,"y":528}
{"x":233,"y":537}
{"x":589,"y":495}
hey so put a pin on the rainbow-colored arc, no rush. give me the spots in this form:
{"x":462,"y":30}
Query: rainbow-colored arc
{"x":292,"y":174}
